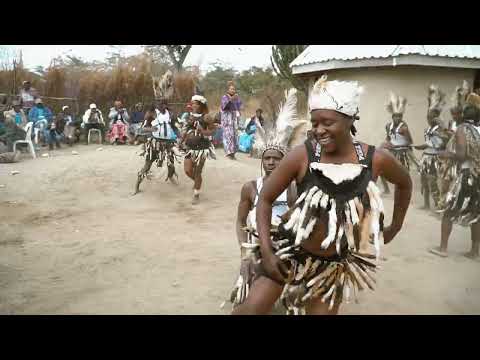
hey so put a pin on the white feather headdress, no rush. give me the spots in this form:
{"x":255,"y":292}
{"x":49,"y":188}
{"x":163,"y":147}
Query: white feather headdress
{"x":436,"y":98}
{"x":459,"y":96}
{"x":281,"y":135}
{"x":396,"y":104}
{"x":341,"y":96}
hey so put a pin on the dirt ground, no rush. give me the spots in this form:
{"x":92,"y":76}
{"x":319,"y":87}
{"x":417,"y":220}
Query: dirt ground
{"x":74,"y":241}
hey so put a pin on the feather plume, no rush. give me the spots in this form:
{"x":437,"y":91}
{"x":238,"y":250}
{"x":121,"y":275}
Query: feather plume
{"x":436,"y":98}
{"x":396,"y":104}
{"x":286,"y":126}
{"x":459,"y":96}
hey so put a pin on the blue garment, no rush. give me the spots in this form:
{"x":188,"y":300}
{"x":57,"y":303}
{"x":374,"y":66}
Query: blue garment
{"x":52,"y":136}
{"x":251,"y":129}
{"x":137,"y":117}
{"x":38,"y":114}
{"x":18,"y":118}
{"x":245,"y":142}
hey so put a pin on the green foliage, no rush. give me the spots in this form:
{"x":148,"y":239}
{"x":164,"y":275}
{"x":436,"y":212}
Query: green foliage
{"x":282,"y":56}
{"x":176,"y":54}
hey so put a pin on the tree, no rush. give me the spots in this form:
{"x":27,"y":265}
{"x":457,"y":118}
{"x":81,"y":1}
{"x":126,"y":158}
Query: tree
{"x":176,"y":54}
{"x":282,"y":56}
{"x":216,"y":80}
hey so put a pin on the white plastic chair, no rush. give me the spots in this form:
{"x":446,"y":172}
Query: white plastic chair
{"x":37,"y":131}
{"x":99,"y":135}
{"x":28,"y":140}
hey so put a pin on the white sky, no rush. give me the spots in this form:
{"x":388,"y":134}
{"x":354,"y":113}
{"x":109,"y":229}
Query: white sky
{"x":240,"y":57}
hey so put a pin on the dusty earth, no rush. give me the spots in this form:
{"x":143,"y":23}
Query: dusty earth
{"x":74,"y":241}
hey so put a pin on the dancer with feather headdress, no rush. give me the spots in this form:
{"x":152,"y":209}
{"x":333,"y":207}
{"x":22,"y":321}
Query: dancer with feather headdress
{"x":462,"y":201}
{"x":273,"y":146}
{"x":318,"y":258}
{"x":398,"y":140}
{"x":436,"y":137}
{"x":447,"y":171}
{"x":160,"y":127}
{"x":458,"y":99}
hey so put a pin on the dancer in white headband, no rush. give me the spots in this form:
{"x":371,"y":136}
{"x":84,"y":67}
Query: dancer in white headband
{"x":320,"y":255}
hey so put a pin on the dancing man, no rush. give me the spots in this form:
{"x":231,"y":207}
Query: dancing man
{"x":447,"y":172}
{"x":462,"y":202}
{"x":161,"y":145}
{"x":436,"y":137}
{"x":272,"y":147}
{"x":398,"y":139}
{"x":338,"y":209}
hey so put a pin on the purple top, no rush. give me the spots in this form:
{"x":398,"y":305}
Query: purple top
{"x":228,"y":105}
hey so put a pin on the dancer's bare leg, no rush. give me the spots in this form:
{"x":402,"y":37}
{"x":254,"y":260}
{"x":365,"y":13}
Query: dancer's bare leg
{"x":475,"y":235}
{"x":317,"y":307}
{"x":197,"y":173}
{"x":446,"y":230}
{"x":426,"y":193}
{"x":261,"y":298}
{"x":188,"y":168}
{"x":142,"y":174}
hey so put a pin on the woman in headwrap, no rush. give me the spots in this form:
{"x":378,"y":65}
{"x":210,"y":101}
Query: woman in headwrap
{"x":199,"y":130}
{"x":319,"y":255}
{"x":230,"y":112}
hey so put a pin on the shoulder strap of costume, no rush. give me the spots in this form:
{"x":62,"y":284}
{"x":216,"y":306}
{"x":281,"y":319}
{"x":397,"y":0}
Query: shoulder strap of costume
{"x":364,"y":159}
{"x":359,"y":151}
{"x":370,"y":153}
{"x":314,"y":151}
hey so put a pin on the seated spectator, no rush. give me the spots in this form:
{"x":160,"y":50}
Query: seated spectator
{"x":16,"y":115}
{"x":93,"y":119}
{"x":54,"y":131}
{"x":218,"y":134}
{"x":27,"y":96}
{"x":70,"y":131}
{"x":136,"y":122}
{"x":246,"y":140}
{"x":40,"y":116}
{"x":119,"y":118}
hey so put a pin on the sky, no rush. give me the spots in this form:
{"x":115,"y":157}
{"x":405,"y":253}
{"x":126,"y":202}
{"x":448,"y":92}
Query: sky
{"x":240,"y":57}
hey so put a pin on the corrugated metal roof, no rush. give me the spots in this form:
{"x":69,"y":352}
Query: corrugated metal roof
{"x":323,"y":53}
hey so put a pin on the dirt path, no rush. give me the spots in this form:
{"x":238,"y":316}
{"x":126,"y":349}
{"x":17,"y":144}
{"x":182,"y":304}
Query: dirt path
{"x":73,"y":241}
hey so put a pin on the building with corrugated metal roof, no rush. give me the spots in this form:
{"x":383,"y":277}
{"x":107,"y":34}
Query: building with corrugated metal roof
{"x":407,"y":70}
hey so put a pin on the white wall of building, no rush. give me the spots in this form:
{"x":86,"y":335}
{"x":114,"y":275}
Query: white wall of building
{"x":411,"y":82}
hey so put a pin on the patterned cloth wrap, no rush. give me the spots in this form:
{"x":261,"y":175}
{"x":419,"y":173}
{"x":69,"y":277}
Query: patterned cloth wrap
{"x":461,"y":203}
